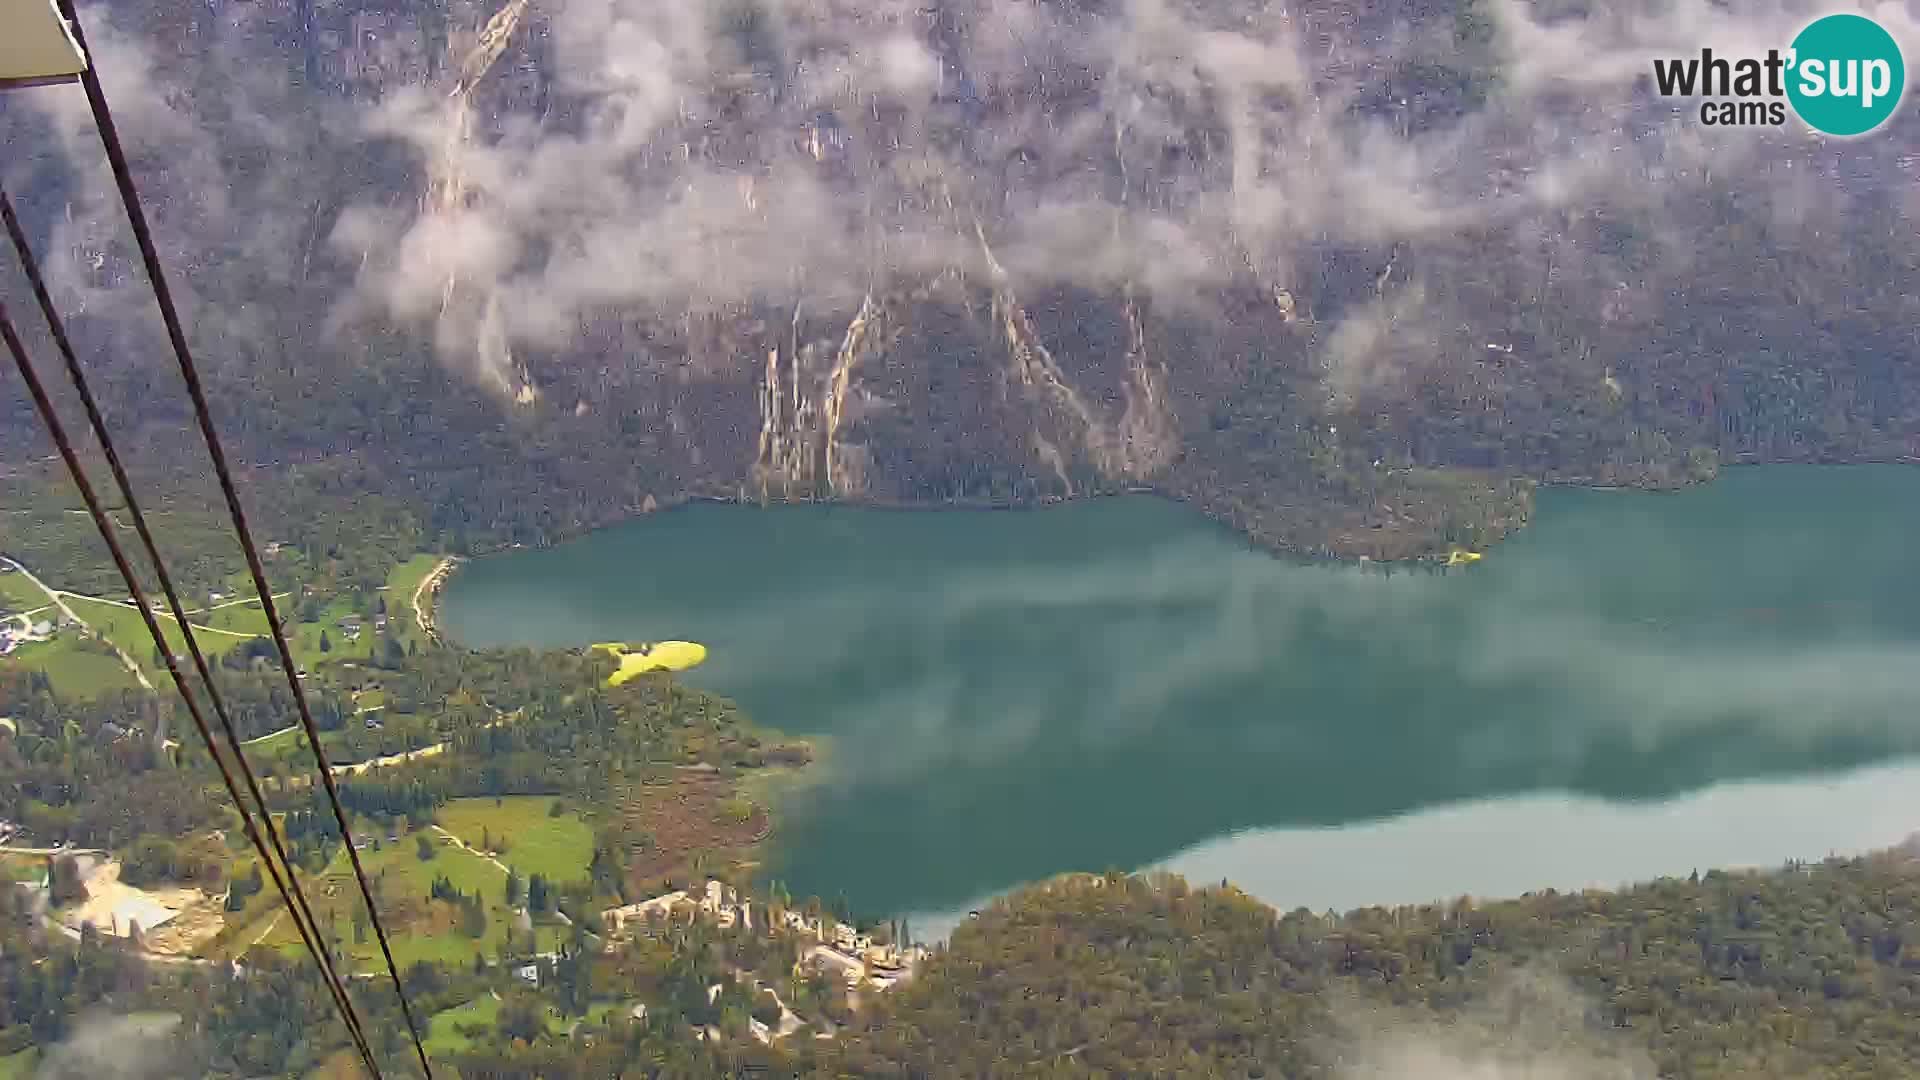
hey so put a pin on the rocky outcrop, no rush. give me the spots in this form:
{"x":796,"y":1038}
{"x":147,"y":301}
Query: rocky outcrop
{"x":1338,"y":275}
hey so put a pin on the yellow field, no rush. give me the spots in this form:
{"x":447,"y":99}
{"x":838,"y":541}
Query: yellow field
{"x":657,"y":656}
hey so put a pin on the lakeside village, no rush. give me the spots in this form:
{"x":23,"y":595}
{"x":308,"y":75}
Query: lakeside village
{"x":858,"y":959}
{"x":77,"y":890}
{"x":173,"y":924}
{"x":112,"y":907}
{"x":109,"y":906}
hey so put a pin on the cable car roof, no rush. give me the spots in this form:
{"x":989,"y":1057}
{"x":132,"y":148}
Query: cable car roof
{"x":36,"y":45}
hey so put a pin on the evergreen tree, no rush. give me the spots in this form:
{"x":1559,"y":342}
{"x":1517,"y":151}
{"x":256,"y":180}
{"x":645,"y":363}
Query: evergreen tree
{"x":473,"y":919}
{"x":63,"y":881}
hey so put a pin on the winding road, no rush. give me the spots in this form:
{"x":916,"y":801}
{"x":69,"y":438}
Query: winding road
{"x":59,"y":599}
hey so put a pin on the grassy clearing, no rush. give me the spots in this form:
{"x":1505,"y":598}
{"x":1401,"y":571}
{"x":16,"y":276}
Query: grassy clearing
{"x":21,"y":1065}
{"x":597,"y":1014}
{"x":401,"y":582}
{"x":289,"y":745}
{"x":557,"y":848}
{"x":443,"y":1035}
{"x":16,"y":867}
{"x":17,"y":594}
{"x":74,"y":670}
{"x":305,"y":638}
{"x":251,"y":619}
{"x":124,"y":627}
{"x":79,"y":673}
{"x":240,"y":619}
{"x":421,"y":929}
{"x":261,"y":910}
{"x":443,"y":1038}
{"x":342,"y":1064}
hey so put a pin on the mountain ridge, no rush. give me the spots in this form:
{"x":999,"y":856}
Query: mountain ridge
{"x":1349,"y":278}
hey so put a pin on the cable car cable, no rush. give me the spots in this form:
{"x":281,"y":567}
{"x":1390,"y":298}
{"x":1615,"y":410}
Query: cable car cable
{"x":176,"y":336}
{"x":299,"y":906}
{"x":55,"y":428}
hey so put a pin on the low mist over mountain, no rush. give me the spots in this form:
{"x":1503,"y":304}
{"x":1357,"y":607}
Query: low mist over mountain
{"x":1340,"y":272}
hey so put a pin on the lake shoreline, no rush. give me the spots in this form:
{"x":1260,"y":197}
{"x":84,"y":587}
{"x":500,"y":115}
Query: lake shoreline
{"x":1609,"y":827}
{"x":1255,"y":538}
{"x":1111,"y":684}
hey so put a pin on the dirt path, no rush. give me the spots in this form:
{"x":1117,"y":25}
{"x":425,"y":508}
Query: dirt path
{"x":462,"y":845}
{"x":198,"y":628}
{"x":236,"y":603}
{"x":56,"y":596}
{"x":268,"y":929}
{"x":270,"y":735}
{"x":429,"y":585}
{"x":158,"y":614}
{"x":390,"y":759}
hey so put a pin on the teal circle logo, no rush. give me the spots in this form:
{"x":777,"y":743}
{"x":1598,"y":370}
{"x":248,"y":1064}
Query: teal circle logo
{"x":1845,"y":75}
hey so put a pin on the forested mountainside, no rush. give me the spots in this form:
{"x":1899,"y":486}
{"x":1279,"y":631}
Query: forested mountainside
{"x":1344,"y":273}
{"x":1808,"y":971}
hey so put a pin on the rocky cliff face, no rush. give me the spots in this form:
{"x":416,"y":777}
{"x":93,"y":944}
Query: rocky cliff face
{"x":1337,"y":273}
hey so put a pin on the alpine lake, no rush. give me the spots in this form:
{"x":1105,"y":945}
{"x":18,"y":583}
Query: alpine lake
{"x":1637,"y":684}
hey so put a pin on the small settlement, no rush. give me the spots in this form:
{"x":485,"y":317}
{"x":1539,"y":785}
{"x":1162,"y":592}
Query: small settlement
{"x":856,"y":958}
